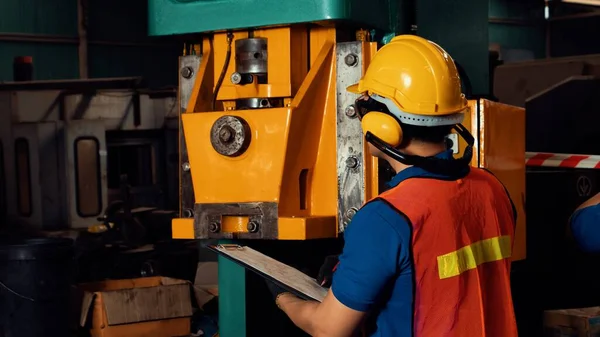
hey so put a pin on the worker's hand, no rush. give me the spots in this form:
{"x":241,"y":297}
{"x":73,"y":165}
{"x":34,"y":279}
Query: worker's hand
{"x":275,"y":289}
{"x":327,"y":269}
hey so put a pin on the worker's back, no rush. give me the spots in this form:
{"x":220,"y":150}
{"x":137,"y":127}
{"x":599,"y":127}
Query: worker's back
{"x":462,"y":235}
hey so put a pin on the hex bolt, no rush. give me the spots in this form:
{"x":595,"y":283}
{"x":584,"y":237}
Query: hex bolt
{"x":351,"y":60}
{"x":226,"y":134}
{"x":252,"y":226}
{"x":350,"y":213}
{"x":187,"y":72}
{"x":214,"y":227}
{"x":236,"y":78}
{"x":188,"y":213}
{"x":185,"y":166}
{"x":351,"y":162}
{"x":350,"y":111}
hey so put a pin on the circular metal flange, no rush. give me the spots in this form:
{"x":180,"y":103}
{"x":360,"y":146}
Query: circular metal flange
{"x":230,"y":136}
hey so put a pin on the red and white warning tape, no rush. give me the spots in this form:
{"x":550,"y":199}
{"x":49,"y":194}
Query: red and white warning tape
{"x":562,"y":160}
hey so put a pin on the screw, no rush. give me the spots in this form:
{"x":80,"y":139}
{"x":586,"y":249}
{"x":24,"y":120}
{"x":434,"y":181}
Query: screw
{"x":187,"y":72}
{"x":236,"y":78}
{"x":252,"y":226}
{"x":351,"y":60}
{"x":188,"y":213}
{"x":350,"y":111}
{"x":214,"y":227}
{"x":350,"y":213}
{"x":351,"y":162}
{"x":226,"y":134}
{"x":185,"y":166}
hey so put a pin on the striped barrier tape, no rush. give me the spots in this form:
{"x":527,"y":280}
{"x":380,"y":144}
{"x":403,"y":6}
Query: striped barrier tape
{"x":562,"y":160}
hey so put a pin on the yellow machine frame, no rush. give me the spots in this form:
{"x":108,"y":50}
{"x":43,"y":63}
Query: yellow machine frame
{"x":290,"y":171}
{"x":291,"y":161}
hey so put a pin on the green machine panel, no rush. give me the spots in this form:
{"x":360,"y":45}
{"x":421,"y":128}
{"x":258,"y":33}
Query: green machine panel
{"x":174,"y":17}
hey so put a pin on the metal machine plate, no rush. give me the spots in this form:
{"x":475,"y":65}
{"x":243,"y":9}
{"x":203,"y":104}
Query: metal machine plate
{"x":36,"y":194}
{"x":350,"y":158}
{"x":168,"y":17}
{"x":188,"y":69}
{"x":93,"y":166}
{"x":262,"y":214}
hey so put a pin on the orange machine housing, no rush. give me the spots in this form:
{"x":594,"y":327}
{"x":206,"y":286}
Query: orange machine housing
{"x":288,"y":184}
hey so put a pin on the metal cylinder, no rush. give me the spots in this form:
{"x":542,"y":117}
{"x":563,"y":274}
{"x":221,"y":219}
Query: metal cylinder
{"x":253,"y":103}
{"x":251,"y":56}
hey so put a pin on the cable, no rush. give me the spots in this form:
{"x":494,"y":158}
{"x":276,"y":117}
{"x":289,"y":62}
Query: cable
{"x":468,"y":88}
{"x":435,"y":165}
{"x":16,"y":293}
{"x":223,"y":71}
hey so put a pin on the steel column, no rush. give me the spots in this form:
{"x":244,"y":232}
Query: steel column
{"x":232,"y":298}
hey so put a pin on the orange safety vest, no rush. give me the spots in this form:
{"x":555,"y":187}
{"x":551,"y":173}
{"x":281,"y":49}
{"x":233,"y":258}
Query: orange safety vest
{"x":462,"y":238}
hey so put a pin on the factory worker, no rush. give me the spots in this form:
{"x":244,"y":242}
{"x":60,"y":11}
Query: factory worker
{"x":585,"y":225}
{"x":429,"y":257}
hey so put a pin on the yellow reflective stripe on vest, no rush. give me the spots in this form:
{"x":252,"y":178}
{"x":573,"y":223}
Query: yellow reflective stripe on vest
{"x":473,"y":255}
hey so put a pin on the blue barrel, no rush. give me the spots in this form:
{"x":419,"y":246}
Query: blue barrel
{"x":35,"y":287}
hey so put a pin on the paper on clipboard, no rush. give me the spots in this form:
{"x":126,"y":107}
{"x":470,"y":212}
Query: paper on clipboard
{"x":267,"y":266}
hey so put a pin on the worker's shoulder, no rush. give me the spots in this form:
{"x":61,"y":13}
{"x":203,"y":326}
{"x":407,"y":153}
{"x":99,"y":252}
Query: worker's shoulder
{"x":585,"y":229}
{"x":489,"y":177}
{"x":378,"y":211}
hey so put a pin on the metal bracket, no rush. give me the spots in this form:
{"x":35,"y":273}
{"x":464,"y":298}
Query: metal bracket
{"x":188,"y":68}
{"x":262,"y":217}
{"x":350,"y":156}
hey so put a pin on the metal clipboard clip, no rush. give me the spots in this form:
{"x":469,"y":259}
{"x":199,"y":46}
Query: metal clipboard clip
{"x":229,"y":246}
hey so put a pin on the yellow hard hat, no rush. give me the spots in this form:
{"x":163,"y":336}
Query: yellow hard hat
{"x":417,"y":75}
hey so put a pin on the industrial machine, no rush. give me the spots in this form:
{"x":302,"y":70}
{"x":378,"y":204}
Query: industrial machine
{"x":66,"y":144}
{"x":270,"y":145}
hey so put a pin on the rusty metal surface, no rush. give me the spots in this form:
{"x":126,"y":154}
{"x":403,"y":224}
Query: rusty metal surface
{"x":262,"y":214}
{"x":188,"y":70}
{"x":350,"y":160}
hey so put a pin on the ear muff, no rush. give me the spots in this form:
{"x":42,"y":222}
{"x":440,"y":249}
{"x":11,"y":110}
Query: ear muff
{"x":384,"y":126}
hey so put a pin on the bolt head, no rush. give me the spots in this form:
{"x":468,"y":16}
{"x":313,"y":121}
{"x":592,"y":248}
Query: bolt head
{"x":236,"y":78}
{"x":226,"y":134}
{"x":252,"y":226}
{"x":213,"y":227}
{"x":185,"y":166}
{"x":188,"y":213}
{"x":350,"y":111}
{"x":350,"y":213}
{"x":187,"y":72}
{"x":351,"y":60}
{"x":351,"y":162}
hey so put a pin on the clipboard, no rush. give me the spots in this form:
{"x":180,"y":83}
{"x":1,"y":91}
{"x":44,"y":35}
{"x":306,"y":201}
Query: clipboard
{"x":289,"y":278}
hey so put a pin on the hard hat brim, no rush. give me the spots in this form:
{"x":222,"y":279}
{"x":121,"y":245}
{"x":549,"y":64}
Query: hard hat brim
{"x":353,"y":89}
